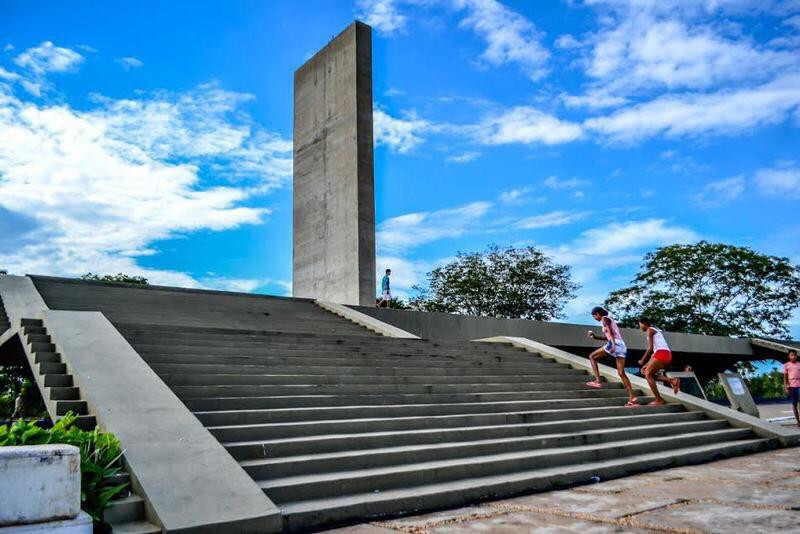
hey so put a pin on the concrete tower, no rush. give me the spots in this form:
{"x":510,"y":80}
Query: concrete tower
{"x":334,"y":193}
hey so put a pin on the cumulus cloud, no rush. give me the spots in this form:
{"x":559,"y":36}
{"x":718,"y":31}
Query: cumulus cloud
{"x":695,"y":114}
{"x":551,"y":219}
{"x":414,"y":229}
{"x":129,"y":63}
{"x":527,"y":125}
{"x":48,"y":57}
{"x":784,"y":180}
{"x":399,"y":134}
{"x":383,"y":15}
{"x":510,"y":37}
{"x":721,"y":192}
{"x":95,"y":188}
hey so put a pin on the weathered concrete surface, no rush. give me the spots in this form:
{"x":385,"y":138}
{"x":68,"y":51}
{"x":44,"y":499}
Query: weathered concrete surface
{"x":39,"y":483}
{"x":189,"y":480}
{"x":82,"y":524}
{"x":756,"y":493}
{"x":433,"y":325}
{"x":738,"y":395}
{"x":334,"y":206}
{"x":20,"y":299}
{"x":384,"y":329}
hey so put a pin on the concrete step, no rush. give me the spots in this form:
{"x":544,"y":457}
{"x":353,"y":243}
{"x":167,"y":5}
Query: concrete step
{"x":305,"y":401}
{"x":31,"y":322}
{"x":64,"y":393}
{"x":86,"y":422}
{"x":387,"y":370}
{"x":367,"y":389}
{"x":136,"y":527}
{"x":42,"y":347}
{"x":39,"y":338}
{"x":52,"y":357}
{"x":147,"y":328}
{"x":51,"y":368}
{"x":317,"y":359}
{"x":347,"y":507}
{"x":56,"y":381}
{"x":125,"y":510}
{"x":77,"y":407}
{"x":274,"y":448}
{"x":34,"y":330}
{"x":291,"y":466}
{"x":349,"y":426}
{"x":336,"y":483}
{"x":324,"y":413}
{"x":564,"y":376}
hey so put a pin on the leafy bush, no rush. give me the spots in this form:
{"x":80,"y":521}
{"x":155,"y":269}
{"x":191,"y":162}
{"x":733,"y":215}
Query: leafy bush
{"x":100,"y":457}
{"x":120,"y":278}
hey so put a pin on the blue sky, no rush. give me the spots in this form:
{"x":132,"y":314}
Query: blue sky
{"x":155,"y":137}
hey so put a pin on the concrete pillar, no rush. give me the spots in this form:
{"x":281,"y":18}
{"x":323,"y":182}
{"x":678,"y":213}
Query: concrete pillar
{"x":334,"y":197}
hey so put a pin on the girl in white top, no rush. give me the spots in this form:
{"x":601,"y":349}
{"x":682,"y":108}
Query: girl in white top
{"x":615,"y":346}
{"x":662,"y":356}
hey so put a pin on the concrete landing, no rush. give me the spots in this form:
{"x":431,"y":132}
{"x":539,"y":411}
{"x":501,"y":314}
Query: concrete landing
{"x":756,"y":493}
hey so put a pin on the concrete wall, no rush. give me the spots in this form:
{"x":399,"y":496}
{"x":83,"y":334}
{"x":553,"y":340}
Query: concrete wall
{"x":562,"y":335}
{"x":334,"y":206}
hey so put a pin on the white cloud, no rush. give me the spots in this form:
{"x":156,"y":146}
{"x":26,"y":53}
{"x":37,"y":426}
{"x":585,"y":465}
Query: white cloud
{"x":567,"y":42}
{"x":464,"y":157}
{"x":551,"y":219}
{"x":615,"y":238}
{"x":383,"y":15}
{"x":129,"y":63}
{"x":48,"y":58}
{"x":721,"y":191}
{"x":8,"y":47}
{"x":515,"y":196}
{"x":793,"y":21}
{"x":8,"y":75}
{"x":238,"y":285}
{"x":598,"y":99}
{"x":676,"y":45}
{"x":99,"y":187}
{"x":524,"y":124}
{"x":406,"y":273}
{"x":783,"y":181}
{"x":554,"y":182}
{"x":400,"y":135}
{"x":510,"y":37}
{"x":694,"y":114}
{"x":414,"y":229}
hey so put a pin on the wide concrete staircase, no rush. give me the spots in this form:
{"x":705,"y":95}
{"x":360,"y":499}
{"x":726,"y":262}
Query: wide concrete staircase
{"x":336,"y":423}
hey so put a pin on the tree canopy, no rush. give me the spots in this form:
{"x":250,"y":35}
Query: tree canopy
{"x":119,"y":278}
{"x":710,"y":288}
{"x":517,"y":283}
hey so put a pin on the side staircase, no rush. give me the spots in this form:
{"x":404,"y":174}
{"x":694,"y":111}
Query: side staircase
{"x":336,"y":423}
{"x":5,"y":324}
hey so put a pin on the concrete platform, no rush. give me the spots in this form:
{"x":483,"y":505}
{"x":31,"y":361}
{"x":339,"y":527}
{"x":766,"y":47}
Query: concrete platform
{"x":756,"y":493}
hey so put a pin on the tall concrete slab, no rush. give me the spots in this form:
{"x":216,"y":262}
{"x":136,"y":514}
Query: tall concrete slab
{"x":334,"y":204}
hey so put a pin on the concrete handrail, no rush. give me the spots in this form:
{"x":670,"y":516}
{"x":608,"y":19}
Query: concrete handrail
{"x":21,"y":300}
{"x":787,"y":437}
{"x":365,"y":320}
{"x":773,"y":345}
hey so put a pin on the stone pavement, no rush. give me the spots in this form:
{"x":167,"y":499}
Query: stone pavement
{"x":756,"y":493}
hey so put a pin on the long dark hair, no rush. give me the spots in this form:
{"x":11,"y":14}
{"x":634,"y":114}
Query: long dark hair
{"x":599,"y":310}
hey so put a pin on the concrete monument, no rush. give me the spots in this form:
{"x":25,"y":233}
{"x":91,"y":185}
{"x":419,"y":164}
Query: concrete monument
{"x":334,"y":205}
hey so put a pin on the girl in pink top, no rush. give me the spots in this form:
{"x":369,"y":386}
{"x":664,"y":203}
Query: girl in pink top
{"x":791,"y":381}
{"x":615,"y":347}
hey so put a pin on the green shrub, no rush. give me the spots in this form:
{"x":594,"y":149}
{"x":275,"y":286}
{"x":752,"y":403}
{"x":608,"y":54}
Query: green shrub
{"x":100,"y":457}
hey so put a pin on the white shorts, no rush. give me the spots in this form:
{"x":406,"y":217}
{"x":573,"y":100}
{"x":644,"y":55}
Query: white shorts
{"x":386,"y":295}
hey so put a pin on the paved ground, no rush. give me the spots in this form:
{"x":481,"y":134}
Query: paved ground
{"x":784,"y":409}
{"x":757,"y":493}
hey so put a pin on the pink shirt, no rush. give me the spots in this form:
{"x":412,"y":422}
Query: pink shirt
{"x":792,"y":371}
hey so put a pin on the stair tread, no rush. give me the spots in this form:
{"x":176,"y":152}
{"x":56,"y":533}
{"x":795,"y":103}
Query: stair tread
{"x":473,"y":460}
{"x":427,"y":490}
{"x":446,"y":445}
{"x":136,"y":527}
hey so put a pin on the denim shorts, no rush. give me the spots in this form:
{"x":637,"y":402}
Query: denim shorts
{"x":794,"y":395}
{"x":621,"y":351}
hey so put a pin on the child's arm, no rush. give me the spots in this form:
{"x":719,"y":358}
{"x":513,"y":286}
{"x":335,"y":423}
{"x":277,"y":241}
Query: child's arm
{"x":649,"y":350}
{"x":609,"y":337}
{"x":785,"y":379}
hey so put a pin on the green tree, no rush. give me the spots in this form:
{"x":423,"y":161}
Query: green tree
{"x":710,"y":288}
{"x":118,"y":278}
{"x":513,"y":283}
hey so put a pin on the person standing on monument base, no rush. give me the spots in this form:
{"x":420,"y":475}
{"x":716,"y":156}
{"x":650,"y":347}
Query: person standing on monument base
{"x":386,"y":291}
{"x":615,"y":347}
{"x":791,"y":381}
{"x":657,"y":348}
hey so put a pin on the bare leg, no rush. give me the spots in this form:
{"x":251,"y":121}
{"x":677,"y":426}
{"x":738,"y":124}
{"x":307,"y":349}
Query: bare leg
{"x":650,"y":374}
{"x":593,"y":357}
{"x":624,"y":377}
